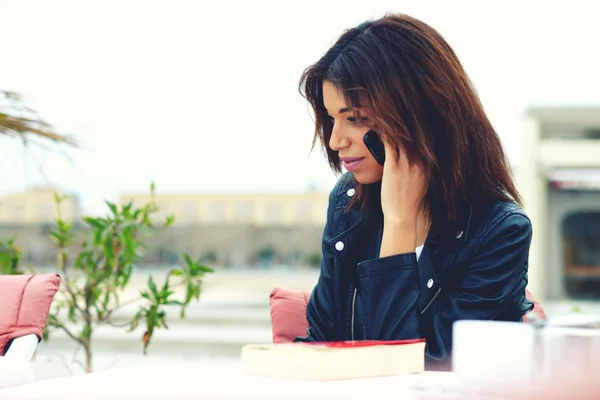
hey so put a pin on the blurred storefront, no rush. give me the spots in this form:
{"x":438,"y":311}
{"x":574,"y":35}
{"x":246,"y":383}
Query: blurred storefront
{"x":559,"y":176}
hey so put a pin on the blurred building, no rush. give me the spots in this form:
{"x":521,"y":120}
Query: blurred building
{"x":559,"y":177}
{"x":36,"y":206}
{"x":28,"y":218}
{"x":238,"y":230}
{"x":259,"y":209}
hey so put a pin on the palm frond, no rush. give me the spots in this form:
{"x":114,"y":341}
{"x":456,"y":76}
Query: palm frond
{"x":19,"y":121}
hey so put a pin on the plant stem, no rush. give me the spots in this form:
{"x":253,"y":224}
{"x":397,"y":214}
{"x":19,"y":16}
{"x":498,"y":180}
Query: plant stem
{"x":69,"y":333}
{"x":88,"y":358}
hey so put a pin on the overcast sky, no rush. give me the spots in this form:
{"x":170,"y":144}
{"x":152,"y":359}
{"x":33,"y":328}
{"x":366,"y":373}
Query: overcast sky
{"x":202,"y":96}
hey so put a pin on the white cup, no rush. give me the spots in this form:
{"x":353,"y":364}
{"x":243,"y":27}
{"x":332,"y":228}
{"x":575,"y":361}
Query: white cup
{"x":493,"y":351}
{"x":569,"y":353}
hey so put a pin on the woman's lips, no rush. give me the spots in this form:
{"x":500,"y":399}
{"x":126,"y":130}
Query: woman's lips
{"x":350,"y":163}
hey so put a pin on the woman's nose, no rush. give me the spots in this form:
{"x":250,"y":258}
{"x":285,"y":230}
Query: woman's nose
{"x":338,"y":139}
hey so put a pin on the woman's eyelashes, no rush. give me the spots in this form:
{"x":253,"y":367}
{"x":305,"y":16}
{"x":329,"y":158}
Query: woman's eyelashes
{"x":352,"y":120}
{"x":357,"y":120}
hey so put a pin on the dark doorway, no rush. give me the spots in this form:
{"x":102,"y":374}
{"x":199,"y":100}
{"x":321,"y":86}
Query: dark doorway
{"x":581,"y":249}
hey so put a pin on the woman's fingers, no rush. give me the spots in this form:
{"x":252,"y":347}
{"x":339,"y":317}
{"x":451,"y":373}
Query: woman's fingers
{"x":391,"y":153}
{"x":397,"y":159}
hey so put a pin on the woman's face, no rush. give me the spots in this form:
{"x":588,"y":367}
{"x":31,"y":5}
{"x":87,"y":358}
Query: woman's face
{"x":347,"y":137}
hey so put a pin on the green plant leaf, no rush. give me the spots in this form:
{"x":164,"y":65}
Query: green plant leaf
{"x":56,"y":236}
{"x":164,"y":295}
{"x":113,"y":208}
{"x":199,"y":269}
{"x":176,"y":272}
{"x":85,"y":332}
{"x":169,"y":220}
{"x":129,"y":242}
{"x":189,"y":293}
{"x":94,"y":222}
{"x":106,"y":299}
{"x":127,"y":208}
{"x":109,"y":253}
{"x":71,"y":314}
{"x":152,"y":286}
{"x":136,"y":320}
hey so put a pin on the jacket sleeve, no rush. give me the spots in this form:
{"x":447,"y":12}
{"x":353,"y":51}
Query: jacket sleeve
{"x":489,"y":285}
{"x":320,"y":312}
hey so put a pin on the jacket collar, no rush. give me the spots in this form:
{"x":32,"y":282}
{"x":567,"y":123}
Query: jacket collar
{"x":355,"y":223}
{"x":456,"y":232}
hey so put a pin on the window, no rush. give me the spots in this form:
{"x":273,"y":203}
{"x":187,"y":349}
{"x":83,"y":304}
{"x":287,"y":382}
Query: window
{"x":243,"y":211}
{"x":45,"y":213}
{"x":214,"y":212}
{"x":188,"y":212}
{"x":18,"y":214}
{"x":274,"y":214}
{"x":303,"y":212}
{"x":581,"y":249}
{"x":569,"y":132}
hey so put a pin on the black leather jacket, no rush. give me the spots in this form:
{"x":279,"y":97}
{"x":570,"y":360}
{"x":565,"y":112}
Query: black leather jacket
{"x":477,"y":271}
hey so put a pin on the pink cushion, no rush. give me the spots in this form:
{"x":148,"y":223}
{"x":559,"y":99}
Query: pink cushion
{"x":25,"y":304}
{"x":288,"y":313}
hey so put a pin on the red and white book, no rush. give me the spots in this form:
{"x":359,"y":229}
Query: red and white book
{"x":328,"y":361}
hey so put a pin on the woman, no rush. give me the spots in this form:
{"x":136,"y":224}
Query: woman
{"x":436,"y":233}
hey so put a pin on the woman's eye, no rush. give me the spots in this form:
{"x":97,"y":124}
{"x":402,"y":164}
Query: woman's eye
{"x":355,"y":120}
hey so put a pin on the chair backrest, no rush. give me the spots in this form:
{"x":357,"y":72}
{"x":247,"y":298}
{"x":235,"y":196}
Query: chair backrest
{"x":24,"y":307}
{"x":288,"y":313}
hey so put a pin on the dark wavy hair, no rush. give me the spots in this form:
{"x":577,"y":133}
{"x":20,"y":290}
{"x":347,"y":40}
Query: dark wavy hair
{"x":420,"y":98}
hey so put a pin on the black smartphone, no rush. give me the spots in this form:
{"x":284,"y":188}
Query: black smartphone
{"x":375,"y":146}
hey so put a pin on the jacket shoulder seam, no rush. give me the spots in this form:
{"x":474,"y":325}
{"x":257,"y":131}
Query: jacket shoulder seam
{"x":485,"y":233}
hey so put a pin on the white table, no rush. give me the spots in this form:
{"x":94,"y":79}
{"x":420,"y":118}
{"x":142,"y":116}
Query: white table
{"x":217,"y":380}
{"x":204,"y":381}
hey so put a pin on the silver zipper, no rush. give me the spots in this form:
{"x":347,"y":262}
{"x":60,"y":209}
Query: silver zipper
{"x":431,"y":301}
{"x":353,"y":304}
